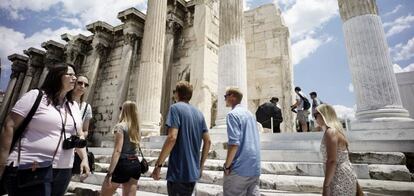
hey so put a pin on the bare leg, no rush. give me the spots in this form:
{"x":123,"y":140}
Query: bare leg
{"x":109,"y":190}
{"x":130,"y":188}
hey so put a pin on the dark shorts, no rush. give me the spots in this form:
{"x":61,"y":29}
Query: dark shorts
{"x":126,"y":169}
{"x":180,"y":188}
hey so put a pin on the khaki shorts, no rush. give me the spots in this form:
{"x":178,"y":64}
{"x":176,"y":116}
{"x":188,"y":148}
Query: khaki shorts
{"x":302,"y":116}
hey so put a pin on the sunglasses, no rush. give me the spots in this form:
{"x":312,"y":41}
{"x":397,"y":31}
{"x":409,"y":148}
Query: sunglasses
{"x":226,"y":95}
{"x":80,"y":83}
{"x":316,"y":114}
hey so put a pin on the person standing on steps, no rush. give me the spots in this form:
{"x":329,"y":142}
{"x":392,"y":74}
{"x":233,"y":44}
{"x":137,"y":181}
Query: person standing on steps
{"x":268,"y":112}
{"x":242,"y":166}
{"x":340,"y":178}
{"x":302,"y":105}
{"x":125,"y":166}
{"x":186,"y":131}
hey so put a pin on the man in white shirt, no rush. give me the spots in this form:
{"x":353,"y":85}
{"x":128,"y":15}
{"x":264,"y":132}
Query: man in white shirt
{"x":302,"y":105}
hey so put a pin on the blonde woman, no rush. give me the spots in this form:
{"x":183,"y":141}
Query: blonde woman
{"x":124,"y":168}
{"x":340,"y":178}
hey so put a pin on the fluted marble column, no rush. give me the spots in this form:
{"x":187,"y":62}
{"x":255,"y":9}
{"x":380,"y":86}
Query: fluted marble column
{"x":151,"y":67}
{"x":19,"y":67}
{"x":232,"y":55}
{"x":101,"y":44}
{"x":376,"y":90}
{"x":35,"y":65}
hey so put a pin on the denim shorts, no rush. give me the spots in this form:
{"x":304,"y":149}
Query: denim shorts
{"x":126,"y":169}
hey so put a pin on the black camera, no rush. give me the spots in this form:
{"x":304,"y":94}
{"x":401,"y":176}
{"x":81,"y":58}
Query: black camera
{"x":74,"y":142}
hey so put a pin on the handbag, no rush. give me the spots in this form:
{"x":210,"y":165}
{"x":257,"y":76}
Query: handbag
{"x":18,"y":134}
{"x":77,"y":161}
{"x":143,"y":163}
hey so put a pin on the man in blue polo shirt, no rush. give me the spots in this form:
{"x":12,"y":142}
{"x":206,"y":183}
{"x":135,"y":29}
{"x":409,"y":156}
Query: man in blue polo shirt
{"x":242,"y":166}
{"x":186,"y":130}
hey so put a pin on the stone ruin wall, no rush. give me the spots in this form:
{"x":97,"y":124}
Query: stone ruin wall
{"x":194,"y":57}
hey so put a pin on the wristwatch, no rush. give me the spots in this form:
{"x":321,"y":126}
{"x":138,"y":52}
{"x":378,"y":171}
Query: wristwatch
{"x":226,"y":168}
{"x":158,"y":165}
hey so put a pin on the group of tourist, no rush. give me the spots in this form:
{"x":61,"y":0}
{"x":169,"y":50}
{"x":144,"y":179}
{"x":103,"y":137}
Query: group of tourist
{"x":47,"y":125}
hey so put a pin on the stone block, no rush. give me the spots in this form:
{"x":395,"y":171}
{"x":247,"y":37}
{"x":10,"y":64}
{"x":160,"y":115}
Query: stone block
{"x":389,"y":158}
{"x":390,"y":172}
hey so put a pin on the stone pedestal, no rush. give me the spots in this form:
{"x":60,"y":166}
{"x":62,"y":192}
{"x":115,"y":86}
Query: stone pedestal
{"x":149,"y":85}
{"x":232,"y":55}
{"x":405,"y":82}
{"x":35,"y":66}
{"x":377,"y":95}
{"x":54,"y":55}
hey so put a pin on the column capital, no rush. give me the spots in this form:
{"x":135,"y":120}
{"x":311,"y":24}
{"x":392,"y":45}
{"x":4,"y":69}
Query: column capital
{"x":36,"y":56}
{"x":77,"y":47}
{"x":54,"y":52}
{"x":130,"y":38}
{"x":133,"y":20}
{"x":19,"y":64}
{"x":352,"y":8}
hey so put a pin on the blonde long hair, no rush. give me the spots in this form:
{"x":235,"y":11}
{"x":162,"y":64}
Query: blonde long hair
{"x":129,"y":115}
{"x":331,"y":120}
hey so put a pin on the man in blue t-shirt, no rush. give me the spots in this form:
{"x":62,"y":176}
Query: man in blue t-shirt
{"x":186,"y":131}
{"x":242,"y":166}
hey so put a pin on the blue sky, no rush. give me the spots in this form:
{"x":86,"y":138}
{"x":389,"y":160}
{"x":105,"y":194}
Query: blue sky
{"x":318,"y":50}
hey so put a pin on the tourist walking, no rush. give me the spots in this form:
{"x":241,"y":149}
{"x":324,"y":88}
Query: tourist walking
{"x":242,"y":166}
{"x":186,"y":130}
{"x":125,"y":166}
{"x":340,"y":178}
{"x":48,"y":119}
{"x":268,"y":112}
{"x":81,"y":86}
{"x":302,"y":106}
{"x":315,"y":103}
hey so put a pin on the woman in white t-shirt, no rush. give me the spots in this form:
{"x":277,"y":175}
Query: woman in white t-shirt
{"x":55,"y":121}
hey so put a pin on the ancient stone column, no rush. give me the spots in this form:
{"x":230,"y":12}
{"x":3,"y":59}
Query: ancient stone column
{"x":131,"y":30}
{"x":173,"y":25}
{"x":54,"y":54}
{"x":35,"y":66}
{"x":376,"y":90}
{"x":19,"y":67}
{"x":232,"y":55}
{"x":101,"y":44}
{"x":149,"y":83}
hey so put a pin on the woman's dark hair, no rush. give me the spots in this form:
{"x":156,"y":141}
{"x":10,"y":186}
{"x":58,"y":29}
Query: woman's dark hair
{"x":53,"y":83}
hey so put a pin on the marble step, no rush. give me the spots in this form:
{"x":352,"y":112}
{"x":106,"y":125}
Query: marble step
{"x":388,"y":158}
{"x":363,"y":171}
{"x":395,"y":135}
{"x":302,"y":184}
{"x":309,"y":145}
{"x":83,"y":189}
{"x":159,"y":188}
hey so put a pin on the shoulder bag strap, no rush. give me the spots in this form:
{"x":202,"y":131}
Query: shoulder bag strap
{"x":84,"y":111}
{"x":20,"y":130}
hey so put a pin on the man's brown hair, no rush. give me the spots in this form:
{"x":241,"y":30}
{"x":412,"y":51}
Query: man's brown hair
{"x":235,"y":92}
{"x":184,"y":90}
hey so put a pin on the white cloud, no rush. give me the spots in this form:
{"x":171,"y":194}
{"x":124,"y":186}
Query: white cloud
{"x":399,"y":25}
{"x":395,"y":10}
{"x":305,"y":47}
{"x":12,"y":41}
{"x":305,"y":16}
{"x":351,"y":87}
{"x":305,"y":20}
{"x":76,"y":12}
{"x":398,"y":69}
{"x":401,"y":51}
{"x":344,"y":112}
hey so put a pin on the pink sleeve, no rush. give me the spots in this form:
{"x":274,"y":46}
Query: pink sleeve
{"x":24,"y":104}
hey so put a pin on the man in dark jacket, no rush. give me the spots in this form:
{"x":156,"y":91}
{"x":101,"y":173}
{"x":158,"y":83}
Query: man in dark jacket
{"x":266,"y":112}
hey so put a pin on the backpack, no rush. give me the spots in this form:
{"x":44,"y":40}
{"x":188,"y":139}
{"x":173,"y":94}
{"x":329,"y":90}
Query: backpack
{"x":306,"y":103}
